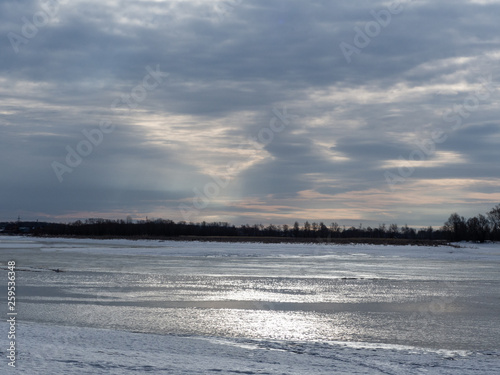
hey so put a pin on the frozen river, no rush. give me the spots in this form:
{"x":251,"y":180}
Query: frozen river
{"x":426,"y":304}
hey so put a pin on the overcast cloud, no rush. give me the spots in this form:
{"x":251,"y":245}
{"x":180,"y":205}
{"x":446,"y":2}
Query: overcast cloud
{"x":272,"y":111}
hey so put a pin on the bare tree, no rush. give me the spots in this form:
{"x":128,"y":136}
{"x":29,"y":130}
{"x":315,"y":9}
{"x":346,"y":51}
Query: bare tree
{"x":494,"y":216}
{"x":478,"y":228}
{"x":307,"y":229}
{"x":456,"y":226}
{"x":393,"y":230}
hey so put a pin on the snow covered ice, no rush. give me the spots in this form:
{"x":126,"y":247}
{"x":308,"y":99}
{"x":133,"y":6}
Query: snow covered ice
{"x":133,"y":307}
{"x":47,"y":349}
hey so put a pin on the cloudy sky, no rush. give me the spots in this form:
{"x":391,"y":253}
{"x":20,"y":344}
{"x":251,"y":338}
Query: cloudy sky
{"x":249,"y":111}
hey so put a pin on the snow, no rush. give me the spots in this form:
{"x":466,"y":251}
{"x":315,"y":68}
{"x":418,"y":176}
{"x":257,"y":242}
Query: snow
{"x":80,"y":350}
{"x":65,"y":348}
{"x":465,"y":251}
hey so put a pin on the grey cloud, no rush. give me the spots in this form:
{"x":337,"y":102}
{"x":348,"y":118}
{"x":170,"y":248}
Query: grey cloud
{"x":261,"y":55}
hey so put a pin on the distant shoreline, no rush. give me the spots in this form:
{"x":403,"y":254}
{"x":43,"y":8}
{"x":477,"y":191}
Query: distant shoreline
{"x":258,"y":239}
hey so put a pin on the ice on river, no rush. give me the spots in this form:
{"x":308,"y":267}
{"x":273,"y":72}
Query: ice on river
{"x":166,"y":307}
{"x":57,"y":350}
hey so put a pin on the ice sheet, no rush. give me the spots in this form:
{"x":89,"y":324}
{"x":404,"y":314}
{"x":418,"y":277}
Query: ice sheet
{"x":487,"y":251}
{"x":59,"y":350}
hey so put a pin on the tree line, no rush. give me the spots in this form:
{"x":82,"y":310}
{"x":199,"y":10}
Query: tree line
{"x":479,"y":228}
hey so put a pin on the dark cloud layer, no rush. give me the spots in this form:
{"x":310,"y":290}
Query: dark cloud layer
{"x":261,"y":85}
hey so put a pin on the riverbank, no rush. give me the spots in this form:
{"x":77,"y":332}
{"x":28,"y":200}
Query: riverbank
{"x":282,"y":240}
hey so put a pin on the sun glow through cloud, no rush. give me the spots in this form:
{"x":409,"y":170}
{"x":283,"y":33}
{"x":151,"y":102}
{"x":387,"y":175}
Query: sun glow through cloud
{"x":259,"y":100}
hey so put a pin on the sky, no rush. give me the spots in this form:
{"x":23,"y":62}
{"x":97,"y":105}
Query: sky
{"x":249,"y":111}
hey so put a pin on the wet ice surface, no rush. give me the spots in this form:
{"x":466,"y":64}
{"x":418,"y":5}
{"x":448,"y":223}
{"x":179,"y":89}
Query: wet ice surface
{"x":256,"y":308}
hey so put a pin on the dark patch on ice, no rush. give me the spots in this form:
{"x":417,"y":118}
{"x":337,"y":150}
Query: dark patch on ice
{"x":233,"y":371}
{"x":21,"y":269}
{"x":72,"y":362}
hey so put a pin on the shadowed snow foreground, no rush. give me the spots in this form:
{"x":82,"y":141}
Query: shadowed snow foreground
{"x":76,"y":350}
